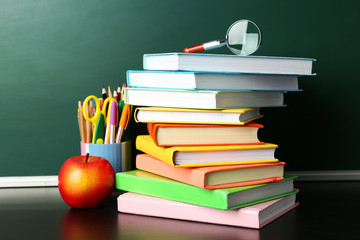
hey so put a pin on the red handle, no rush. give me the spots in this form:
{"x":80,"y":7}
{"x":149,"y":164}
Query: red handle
{"x":195,"y":48}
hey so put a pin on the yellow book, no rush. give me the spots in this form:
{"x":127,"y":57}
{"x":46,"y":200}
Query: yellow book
{"x":196,"y":156}
{"x":238,"y":116}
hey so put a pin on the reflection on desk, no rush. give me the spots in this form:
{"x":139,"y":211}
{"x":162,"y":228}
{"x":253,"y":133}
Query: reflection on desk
{"x":161,"y":228}
{"x":327,"y":210}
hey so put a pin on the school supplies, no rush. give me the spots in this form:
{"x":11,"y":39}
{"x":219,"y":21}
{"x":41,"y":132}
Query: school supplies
{"x":115,"y":95}
{"x":98,"y":118}
{"x":113,"y":119}
{"x":99,"y":133}
{"x":243,"y":37}
{"x":124,"y":120}
{"x":104,"y":94}
{"x":119,"y":92}
{"x":89,"y":113}
{"x":81,"y":122}
{"x":109,"y":92}
{"x":93,"y":118}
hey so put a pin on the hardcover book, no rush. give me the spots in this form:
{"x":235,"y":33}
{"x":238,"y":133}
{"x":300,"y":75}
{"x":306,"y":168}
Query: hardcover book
{"x":255,"y":216}
{"x":226,"y":198}
{"x":196,"y":156}
{"x":238,"y":116}
{"x":211,"y":81}
{"x":169,"y":134}
{"x":228,"y":63}
{"x":202,"y":99}
{"x":214,"y":177}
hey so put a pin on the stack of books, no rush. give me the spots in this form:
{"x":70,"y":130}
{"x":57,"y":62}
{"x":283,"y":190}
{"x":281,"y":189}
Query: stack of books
{"x":202,"y":159}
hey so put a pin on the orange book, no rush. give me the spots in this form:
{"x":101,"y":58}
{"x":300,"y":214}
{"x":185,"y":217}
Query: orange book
{"x":178,"y":134}
{"x":214,"y":177}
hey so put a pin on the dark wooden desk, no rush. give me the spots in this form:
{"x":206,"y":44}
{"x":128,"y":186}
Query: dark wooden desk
{"x":327,"y":210}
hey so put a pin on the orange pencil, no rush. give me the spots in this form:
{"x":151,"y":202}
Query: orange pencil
{"x":122,"y":91}
{"x":124,"y":120}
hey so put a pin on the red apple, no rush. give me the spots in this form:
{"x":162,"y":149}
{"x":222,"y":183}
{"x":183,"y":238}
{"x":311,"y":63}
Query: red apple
{"x":86,"y":181}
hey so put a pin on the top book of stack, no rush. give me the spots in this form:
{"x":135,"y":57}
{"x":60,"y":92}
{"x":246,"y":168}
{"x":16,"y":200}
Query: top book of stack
{"x":228,"y":63}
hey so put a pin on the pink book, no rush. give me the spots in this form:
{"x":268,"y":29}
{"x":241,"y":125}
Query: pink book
{"x":254,"y":216}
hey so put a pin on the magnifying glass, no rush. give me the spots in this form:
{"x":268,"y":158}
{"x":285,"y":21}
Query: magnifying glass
{"x":243,"y":38}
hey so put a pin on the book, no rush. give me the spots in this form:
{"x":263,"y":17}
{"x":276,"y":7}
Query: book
{"x":227,"y":63}
{"x":211,"y":81}
{"x":255,"y":216}
{"x":226,"y":198}
{"x":172,"y":134}
{"x":202,"y":99}
{"x":197,"y":156}
{"x":214,"y":177}
{"x":204,"y":116}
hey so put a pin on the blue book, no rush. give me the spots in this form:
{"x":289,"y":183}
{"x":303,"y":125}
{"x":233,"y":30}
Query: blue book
{"x":228,"y":63}
{"x":190,"y":80}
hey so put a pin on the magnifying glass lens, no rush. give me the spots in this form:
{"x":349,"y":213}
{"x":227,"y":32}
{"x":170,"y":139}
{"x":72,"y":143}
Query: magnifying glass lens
{"x":243,"y":37}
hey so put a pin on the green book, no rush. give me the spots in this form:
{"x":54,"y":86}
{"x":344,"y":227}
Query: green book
{"x":227,"y":198}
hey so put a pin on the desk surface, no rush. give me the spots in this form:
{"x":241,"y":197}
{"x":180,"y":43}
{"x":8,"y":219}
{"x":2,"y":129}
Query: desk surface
{"x":327,"y":210}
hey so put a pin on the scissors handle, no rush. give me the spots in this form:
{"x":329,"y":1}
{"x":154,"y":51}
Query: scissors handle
{"x":105,"y":107}
{"x":94,"y":118}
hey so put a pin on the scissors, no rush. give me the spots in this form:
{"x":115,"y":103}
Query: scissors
{"x":99,"y":115}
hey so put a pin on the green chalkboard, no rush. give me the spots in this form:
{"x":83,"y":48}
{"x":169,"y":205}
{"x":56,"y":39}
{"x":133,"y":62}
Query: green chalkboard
{"x":53,"y":53}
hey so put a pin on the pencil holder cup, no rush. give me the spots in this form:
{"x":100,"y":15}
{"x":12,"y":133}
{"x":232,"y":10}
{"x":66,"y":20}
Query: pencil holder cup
{"x":118,"y":154}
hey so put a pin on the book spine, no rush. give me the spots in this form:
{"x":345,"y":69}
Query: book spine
{"x":163,"y":154}
{"x":190,"y":176}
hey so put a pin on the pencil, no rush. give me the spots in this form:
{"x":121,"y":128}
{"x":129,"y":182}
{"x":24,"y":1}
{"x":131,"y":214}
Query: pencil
{"x":109,"y":92}
{"x":122,"y":91}
{"x":119,"y":92}
{"x":115,"y":95}
{"x":88,"y":124}
{"x":81,"y":122}
{"x":103,"y":92}
{"x":124,"y":119}
{"x":91,"y":113}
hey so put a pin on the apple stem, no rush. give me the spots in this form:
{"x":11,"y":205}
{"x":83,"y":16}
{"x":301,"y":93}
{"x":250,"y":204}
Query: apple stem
{"x":87,"y":157}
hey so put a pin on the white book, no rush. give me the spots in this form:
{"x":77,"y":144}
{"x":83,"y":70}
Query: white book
{"x":211,"y":81}
{"x":228,"y":63}
{"x":202,"y":99}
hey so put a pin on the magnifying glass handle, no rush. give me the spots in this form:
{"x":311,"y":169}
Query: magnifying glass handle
{"x":205,"y":46}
